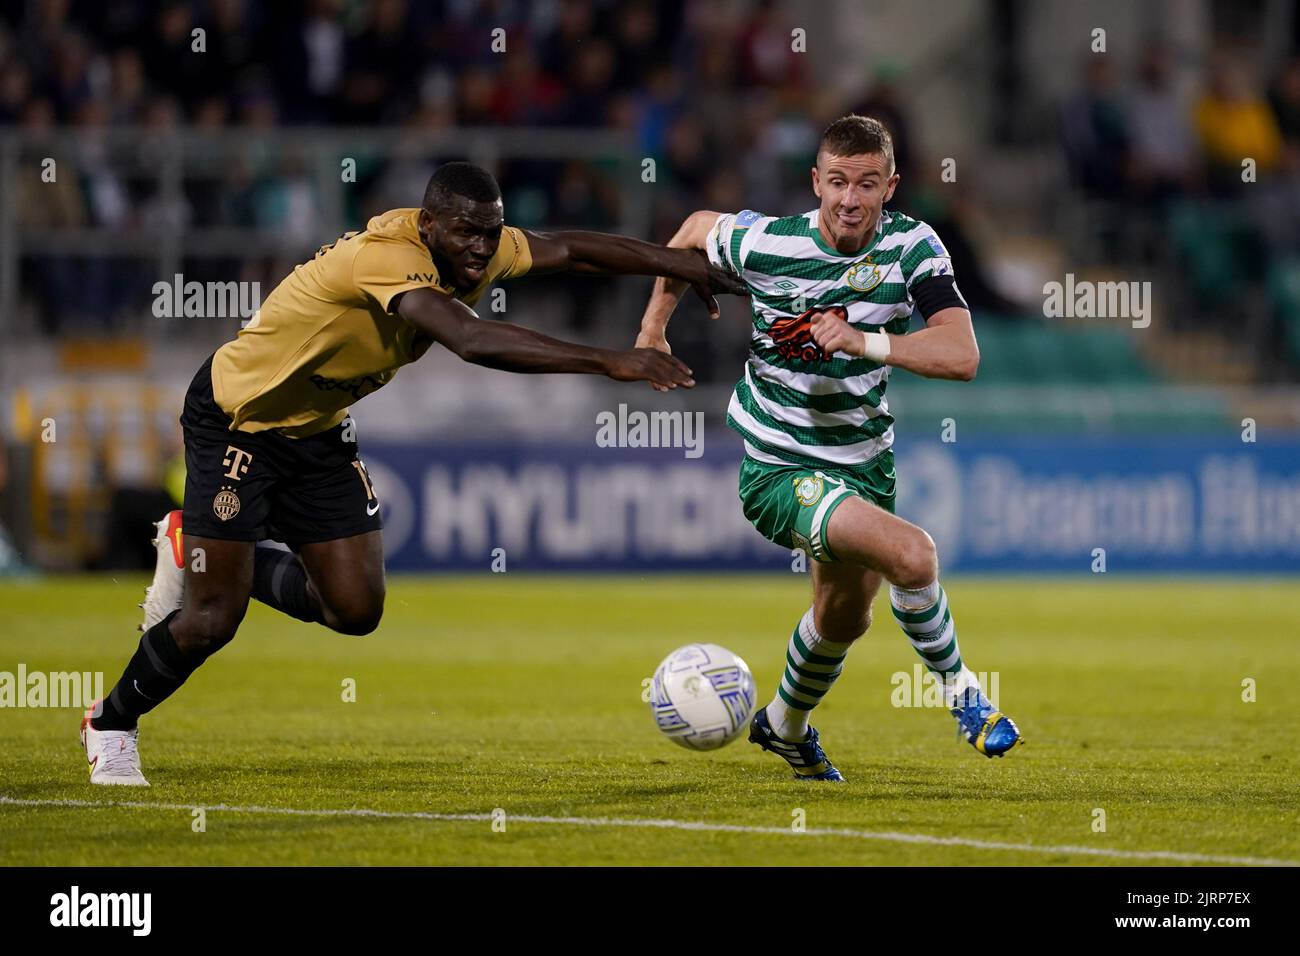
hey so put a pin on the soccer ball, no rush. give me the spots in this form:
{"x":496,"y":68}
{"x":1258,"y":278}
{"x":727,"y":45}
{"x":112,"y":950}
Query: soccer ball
{"x":702,"y":696}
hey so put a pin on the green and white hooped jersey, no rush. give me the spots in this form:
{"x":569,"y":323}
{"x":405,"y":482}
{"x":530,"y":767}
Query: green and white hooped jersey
{"x":795,"y":404}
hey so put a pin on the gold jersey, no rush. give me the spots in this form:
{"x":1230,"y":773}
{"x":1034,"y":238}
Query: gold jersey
{"x":325,"y":337}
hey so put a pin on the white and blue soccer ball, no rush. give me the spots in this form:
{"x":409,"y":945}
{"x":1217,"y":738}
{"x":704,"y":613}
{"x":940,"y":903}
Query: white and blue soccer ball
{"x":702,"y":696}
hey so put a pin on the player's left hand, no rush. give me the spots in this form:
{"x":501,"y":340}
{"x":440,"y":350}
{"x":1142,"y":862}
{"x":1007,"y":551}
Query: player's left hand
{"x":649,"y":365}
{"x":659,"y":342}
{"x":832,"y":332}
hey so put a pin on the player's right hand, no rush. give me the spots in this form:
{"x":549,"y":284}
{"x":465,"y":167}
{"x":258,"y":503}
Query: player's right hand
{"x":656,"y":341}
{"x":716,"y":281}
{"x":650,"y":365}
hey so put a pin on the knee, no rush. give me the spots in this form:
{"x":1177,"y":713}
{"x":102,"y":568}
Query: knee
{"x":918,"y":562}
{"x":357,"y":618}
{"x":203,"y":629}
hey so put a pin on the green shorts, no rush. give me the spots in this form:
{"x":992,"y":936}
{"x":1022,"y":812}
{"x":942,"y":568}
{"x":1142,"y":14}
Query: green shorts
{"x":792,"y":505}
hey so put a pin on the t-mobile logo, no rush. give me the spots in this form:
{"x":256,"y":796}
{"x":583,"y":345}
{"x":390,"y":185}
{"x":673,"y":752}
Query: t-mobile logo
{"x":237,"y":461}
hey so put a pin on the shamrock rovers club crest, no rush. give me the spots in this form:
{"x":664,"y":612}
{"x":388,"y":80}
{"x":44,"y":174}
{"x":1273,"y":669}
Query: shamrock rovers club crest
{"x":226,"y":504}
{"x":808,"y":489}
{"x":863,"y":276}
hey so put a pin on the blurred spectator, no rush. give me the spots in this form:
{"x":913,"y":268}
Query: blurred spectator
{"x":310,"y":63}
{"x":234,"y":44}
{"x":636,"y":41}
{"x":1095,"y":132}
{"x":590,"y":84}
{"x":1163,"y":147}
{"x":1234,"y":123}
{"x":574,"y":26}
{"x":882,"y":102}
{"x":768,"y":56}
{"x":10,"y":562}
{"x":1284,"y":98}
{"x":524,"y":96}
{"x":687,"y":158}
{"x":169,"y":60}
{"x":375,"y":88}
{"x":127,"y":88}
{"x":955,"y":217}
{"x":15,"y":91}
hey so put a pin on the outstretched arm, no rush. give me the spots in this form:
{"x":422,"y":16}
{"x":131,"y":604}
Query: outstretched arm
{"x":598,"y":253}
{"x":668,"y":292}
{"x":514,"y":348}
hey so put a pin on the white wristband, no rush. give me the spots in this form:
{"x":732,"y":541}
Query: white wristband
{"x":875,"y":346}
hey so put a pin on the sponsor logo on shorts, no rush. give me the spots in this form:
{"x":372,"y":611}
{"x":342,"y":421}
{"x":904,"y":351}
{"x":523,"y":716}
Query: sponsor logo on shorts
{"x":360,"y":466}
{"x":237,"y":460}
{"x":808,"y":490}
{"x":226,"y":504}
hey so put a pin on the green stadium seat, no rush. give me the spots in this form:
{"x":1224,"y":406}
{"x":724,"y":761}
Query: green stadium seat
{"x":1284,"y":295}
{"x":1213,"y":244}
{"x":1029,"y":353}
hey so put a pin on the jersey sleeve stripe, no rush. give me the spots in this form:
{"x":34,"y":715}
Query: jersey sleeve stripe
{"x":737,"y":237}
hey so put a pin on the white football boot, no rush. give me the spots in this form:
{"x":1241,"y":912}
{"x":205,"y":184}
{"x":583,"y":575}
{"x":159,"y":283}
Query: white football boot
{"x":113,"y":755}
{"x":164,"y":595}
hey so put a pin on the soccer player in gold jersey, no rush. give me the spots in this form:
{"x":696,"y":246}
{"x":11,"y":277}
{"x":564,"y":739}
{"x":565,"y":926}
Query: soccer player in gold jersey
{"x":271,"y":454}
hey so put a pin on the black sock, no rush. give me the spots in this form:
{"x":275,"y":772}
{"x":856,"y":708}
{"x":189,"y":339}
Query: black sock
{"x":280,"y":581}
{"x":153,"y":674}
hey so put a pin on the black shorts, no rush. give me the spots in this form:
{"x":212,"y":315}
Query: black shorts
{"x":247,"y":486}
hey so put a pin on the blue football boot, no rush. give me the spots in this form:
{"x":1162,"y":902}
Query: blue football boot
{"x":983,"y":726}
{"x":806,"y":758}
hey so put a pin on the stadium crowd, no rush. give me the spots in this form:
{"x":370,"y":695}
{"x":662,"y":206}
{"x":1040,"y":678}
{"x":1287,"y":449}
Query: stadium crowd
{"x":670,"y":75}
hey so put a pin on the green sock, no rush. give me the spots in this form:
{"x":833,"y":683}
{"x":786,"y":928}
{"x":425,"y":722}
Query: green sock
{"x":812,"y":665}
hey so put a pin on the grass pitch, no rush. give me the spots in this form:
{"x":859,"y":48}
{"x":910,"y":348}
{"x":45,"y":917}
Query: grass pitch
{"x":524,"y":694}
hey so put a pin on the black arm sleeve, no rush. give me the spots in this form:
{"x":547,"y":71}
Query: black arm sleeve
{"x":936,"y":293}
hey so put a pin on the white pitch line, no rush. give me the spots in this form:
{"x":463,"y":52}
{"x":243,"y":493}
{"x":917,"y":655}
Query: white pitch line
{"x":699,"y":826}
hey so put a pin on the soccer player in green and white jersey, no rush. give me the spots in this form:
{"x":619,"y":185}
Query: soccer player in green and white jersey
{"x":833,"y":291}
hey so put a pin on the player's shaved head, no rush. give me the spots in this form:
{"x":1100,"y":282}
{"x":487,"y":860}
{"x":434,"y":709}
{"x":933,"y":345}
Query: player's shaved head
{"x":460,"y":181}
{"x":855,"y":135}
{"x":461,"y":222}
